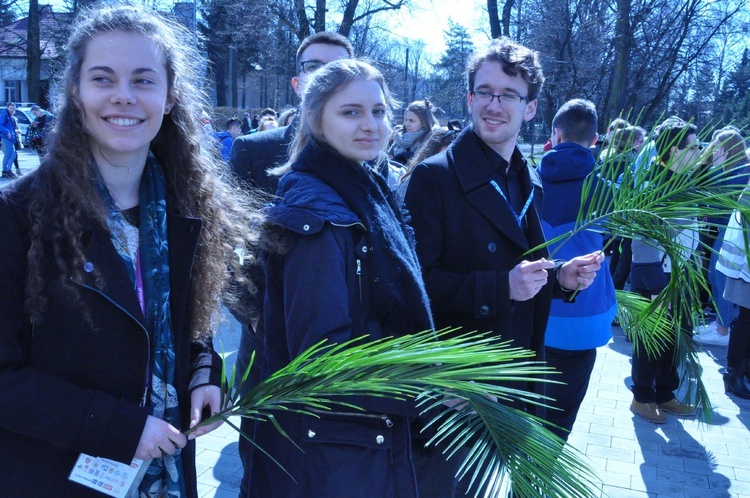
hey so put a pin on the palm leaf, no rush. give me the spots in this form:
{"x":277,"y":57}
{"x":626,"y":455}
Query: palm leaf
{"x":652,"y":204}
{"x":507,"y":446}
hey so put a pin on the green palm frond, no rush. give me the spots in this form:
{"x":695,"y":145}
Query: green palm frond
{"x":507,"y":446}
{"x":651,"y":203}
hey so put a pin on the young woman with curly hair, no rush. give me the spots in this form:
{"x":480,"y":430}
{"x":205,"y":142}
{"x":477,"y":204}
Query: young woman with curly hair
{"x":117,"y":253}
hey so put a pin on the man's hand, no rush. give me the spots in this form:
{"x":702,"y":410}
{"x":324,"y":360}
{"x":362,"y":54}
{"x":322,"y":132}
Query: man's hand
{"x":579,"y":273}
{"x":158,"y":438}
{"x":527,"y":278}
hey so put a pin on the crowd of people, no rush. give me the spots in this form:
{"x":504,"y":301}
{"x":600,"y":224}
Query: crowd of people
{"x":123,"y":245}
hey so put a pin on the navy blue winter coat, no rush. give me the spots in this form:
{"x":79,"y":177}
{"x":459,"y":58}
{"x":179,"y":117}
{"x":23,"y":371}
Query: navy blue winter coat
{"x":317,"y":289}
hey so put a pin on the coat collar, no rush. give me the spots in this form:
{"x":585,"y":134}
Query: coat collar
{"x":183,"y":234}
{"x":468,"y":160}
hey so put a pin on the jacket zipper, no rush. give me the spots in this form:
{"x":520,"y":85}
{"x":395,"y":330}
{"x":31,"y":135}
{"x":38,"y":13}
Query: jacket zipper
{"x":370,"y":416}
{"x":140,"y":325}
{"x":359,"y":278}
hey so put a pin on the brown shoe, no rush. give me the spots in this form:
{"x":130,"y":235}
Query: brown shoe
{"x":649,"y":411}
{"x":676,"y":407}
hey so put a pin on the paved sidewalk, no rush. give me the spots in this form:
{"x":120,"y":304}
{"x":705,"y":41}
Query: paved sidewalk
{"x":634,"y":458}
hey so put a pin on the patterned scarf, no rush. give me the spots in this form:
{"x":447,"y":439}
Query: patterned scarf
{"x":405,"y":141}
{"x":147,"y":262}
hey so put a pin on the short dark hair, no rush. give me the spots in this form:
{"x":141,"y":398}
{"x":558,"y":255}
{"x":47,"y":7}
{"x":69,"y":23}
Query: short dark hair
{"x":232,"y":122}
{"x":577,"y":120}
{"x":672,"y":132}
{"x":324,"y":38}
{"x":516,"y":59}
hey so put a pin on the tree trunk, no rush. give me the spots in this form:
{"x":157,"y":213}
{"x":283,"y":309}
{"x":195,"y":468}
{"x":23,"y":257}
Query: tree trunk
{"x":618,"y":84}
{"x":234,"y":69}
{"x":495,"y":29}
{"x":304,"y":24}
{"x":320,"y":16}
{"x":348,"y":20}
{"x":406,"y":76}
{"x":220,"y":77}
{"x":507,"y":9}
{"x":33,"y":53}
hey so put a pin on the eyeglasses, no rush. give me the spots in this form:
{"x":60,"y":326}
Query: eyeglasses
{"x":309,"y":67}
{"x":503,"y":98}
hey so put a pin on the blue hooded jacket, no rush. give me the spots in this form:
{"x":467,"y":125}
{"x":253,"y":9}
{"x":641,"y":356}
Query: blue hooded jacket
{"x":586,"y":323}
{"x":7,"y":125}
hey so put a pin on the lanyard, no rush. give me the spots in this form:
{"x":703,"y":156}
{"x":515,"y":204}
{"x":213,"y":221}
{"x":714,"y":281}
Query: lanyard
{"x":519,"y":217}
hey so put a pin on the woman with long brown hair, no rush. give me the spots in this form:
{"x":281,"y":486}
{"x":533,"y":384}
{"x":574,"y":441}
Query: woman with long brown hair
{"x":117,"y":252}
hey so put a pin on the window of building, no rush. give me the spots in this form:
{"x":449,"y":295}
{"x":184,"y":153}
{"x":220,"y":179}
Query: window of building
{"x":12,"y":90}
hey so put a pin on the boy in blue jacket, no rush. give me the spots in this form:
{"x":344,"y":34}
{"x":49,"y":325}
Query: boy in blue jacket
{"x":574,"y":330}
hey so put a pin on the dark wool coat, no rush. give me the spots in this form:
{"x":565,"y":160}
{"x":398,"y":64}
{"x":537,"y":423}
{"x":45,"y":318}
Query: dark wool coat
{"x":317,"y":289}
{"x":468,"y":240}
{"x":68,"y":388}
{"x":253,"y":154}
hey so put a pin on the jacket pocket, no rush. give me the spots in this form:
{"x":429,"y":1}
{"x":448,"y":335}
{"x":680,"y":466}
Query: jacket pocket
{"x":349,"y":455}
{"x":356,"y":429}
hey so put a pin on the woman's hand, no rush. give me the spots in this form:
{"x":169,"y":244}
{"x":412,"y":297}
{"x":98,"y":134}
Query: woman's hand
{"x":200,"y":398}
{"x":158,"y":438}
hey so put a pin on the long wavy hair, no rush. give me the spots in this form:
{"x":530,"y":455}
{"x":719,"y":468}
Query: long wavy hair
{"x":64,"y":198}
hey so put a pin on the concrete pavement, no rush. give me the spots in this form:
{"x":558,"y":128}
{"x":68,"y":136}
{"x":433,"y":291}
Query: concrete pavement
{"x":634,"y":458}
{"x":27,"y":160}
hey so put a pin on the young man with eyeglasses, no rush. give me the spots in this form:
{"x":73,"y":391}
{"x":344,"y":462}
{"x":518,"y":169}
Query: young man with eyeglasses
{"x":475,"y":211}
{"x":252,"y":156}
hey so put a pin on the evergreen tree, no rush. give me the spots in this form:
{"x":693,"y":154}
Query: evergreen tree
{"x":451,"y":86}
{"x":8,"y":12}
{"x":733,"y":103}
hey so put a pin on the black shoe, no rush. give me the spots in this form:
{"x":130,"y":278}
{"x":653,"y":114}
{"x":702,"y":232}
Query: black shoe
{"x":735,"y":384}
{"x":8,"y":174}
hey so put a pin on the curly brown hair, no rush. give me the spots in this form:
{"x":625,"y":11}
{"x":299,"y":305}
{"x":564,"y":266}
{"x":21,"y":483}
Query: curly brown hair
{"x":200,"y":185}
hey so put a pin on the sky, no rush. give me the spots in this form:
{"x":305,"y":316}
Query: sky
{"x":428,"y":19}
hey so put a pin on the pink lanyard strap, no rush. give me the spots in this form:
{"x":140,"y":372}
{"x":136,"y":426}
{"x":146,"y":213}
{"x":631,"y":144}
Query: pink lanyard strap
{"x":139,"y":283}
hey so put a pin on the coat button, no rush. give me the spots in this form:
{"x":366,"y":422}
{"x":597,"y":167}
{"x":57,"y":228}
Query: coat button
{"x":88,"y":267}
{"x":311,"y":433}
{"x":380,"y":439}
{"x":364,"y":248}
{"x":484,"y":310}
{"x":491,"y":247}
{"x":306,"y":228}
